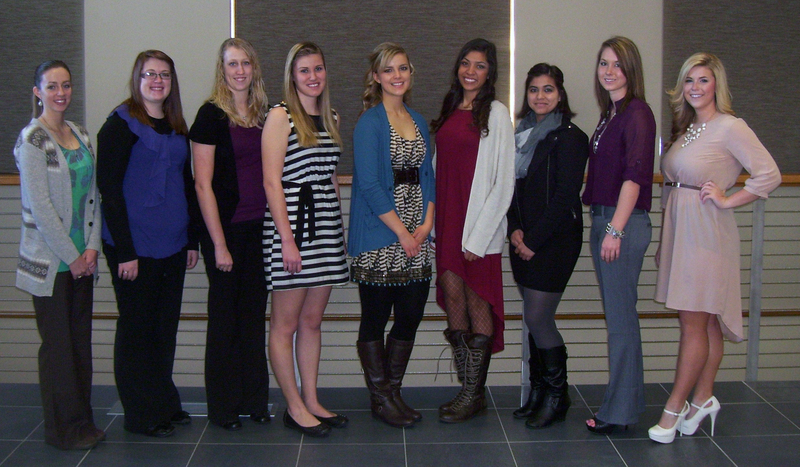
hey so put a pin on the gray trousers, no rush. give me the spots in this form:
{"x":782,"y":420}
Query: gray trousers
{"x":619,"y":281}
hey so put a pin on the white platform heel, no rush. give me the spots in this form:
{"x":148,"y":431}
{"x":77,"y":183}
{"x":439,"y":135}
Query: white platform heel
{"x":667,"y":435}
{"x":710,"y":407}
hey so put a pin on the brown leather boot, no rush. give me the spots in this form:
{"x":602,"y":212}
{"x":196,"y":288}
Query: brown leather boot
{"x":535,"y":397}
{"x":453,"y":336}
{"x":397,"y":356}
{"x":471,"y":400}
{"x":383,"y":405}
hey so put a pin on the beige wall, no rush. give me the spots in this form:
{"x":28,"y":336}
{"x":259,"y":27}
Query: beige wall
{"x":567,"y":33}
{"x":189,"y":31}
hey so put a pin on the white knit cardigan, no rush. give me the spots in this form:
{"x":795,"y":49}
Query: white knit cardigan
{"x":492,"y":187}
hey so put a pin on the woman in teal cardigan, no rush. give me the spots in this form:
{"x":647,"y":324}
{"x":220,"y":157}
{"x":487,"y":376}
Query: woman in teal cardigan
{"x":391,"y":217}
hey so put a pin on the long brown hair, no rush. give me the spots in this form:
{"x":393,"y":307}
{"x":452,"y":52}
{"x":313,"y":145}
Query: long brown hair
{"x":303,"y":125}
{"x":631,"y":65}
{"x":173,"y":111}
{"x":482,"y":104}
{"x":222,"y":97}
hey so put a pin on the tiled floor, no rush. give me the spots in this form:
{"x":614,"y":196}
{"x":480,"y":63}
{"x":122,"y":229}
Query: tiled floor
{"x":759,"y":426}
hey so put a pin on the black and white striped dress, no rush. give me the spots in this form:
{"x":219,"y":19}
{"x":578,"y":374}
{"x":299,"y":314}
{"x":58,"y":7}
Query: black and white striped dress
{"x":307,"y":176}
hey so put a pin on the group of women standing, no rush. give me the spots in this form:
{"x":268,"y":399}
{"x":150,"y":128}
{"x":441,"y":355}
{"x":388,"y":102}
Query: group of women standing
{"x":264,"y":206}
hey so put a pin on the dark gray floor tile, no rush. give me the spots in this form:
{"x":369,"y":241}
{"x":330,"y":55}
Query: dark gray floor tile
{"x":428,"y":398}
{"x":111,"y":454}
{"x":20,"y":394}
{"x":485,"y":427}
{"x":566,"y":454}
{"x":778,"y":391}
{"x":363,"y":428}
{"x":686,"y":450}
{"x":183,"y":434}
{"x":343,"y":399}
{"x":19,"y":422}
{"x":571,"y":429}
{"x":757,"y":450}
{"x":192,"y":394}
{"x":654,"y":394}
{"x":251,"y":433}
{"x":6,"y":448}
{"x":508,"y":397}
{"x":728,"y":392}
{"x":457,"y":454}
{"x":790,"y":409}
{"x":352,"y":455}
{"x":750,"y":419}
{"x":38,"y":453}
{"x":104,"y":396}
{"x":245,"y":455}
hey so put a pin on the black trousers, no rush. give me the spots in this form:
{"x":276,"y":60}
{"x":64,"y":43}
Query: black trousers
{"x":144,"y":349}
{"x":377,"y":302}
{"x":237,"y":378}
{"x":64,"y":321}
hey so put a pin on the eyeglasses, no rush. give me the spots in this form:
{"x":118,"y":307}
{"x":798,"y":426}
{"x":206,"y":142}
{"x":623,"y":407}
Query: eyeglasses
{"x":151,"y":75}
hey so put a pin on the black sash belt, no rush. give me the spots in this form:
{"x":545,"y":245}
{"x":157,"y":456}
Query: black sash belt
{"x":409,"y":176}
{"x":306,"y":211}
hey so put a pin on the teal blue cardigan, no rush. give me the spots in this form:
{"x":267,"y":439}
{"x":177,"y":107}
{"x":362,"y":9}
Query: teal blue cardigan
{"x":373,"y":180}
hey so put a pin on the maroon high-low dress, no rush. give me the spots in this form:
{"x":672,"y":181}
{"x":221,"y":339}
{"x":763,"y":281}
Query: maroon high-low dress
{"x":457,"y":144}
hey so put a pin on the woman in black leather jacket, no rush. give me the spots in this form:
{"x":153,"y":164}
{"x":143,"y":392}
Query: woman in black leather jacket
{"x":545,"y":228}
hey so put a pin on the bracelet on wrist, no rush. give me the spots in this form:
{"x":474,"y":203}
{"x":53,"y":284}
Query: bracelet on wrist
{"x":617,"y":234}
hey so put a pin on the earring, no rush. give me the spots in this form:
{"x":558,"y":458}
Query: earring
{"x":38,"y":102}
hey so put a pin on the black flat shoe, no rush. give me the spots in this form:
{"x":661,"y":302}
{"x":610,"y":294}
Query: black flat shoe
{"x":602,"y":428}
{"x":181,"y":417}
{"x":337,"y":421}
{"x":162,"y":430}
{"x":318,"y":431}
{"x":233,"y":425}
{"x":260,"y":418}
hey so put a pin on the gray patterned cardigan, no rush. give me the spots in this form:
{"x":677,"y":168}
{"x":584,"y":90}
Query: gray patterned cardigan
{"x":46,"y":192}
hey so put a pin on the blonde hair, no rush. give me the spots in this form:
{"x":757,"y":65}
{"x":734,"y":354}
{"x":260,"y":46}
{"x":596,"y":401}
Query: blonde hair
{"x":631,"y":65}
{"x":378,"y":59}
{"x":682,"y":112}
{"x":303,"y":125}
{"x":222,"y":97}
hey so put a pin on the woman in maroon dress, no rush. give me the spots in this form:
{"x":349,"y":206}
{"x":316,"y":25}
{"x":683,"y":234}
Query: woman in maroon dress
{"x":474,"y":186}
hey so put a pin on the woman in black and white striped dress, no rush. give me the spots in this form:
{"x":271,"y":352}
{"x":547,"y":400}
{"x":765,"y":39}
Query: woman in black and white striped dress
{"x":304,"y":241}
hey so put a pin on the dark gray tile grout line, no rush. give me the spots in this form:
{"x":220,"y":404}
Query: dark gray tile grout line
{"x":197,"y":444}
{"x":502,"y":426}
{"x":770,"y":404}
{"x":24,"y":440}
{"x":405,"y":449}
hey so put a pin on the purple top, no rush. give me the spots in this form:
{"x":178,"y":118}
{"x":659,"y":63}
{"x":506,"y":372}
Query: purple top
{"x":622,"y":149}
{"x":247,"y":154}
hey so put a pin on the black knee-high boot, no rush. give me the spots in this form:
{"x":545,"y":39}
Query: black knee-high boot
{"x":556,"y":401}
{"x":535,"y":397}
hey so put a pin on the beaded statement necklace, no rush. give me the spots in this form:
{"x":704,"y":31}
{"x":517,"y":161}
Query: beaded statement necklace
{"x":692,"y":134}
{"x":598,"y":133}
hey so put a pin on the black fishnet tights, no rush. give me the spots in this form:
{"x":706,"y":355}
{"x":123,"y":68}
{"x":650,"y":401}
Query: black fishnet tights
{"x":466,"y":311}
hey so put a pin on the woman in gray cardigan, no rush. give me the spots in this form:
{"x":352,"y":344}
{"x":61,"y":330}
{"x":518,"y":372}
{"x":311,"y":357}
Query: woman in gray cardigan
{"x":58,"y":255}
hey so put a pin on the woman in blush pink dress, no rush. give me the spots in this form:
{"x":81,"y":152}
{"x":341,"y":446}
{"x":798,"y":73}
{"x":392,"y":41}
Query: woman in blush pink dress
{"x":698,"y":258}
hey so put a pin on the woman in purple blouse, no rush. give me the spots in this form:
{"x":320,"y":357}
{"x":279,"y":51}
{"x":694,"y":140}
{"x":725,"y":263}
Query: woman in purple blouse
{"x":226,"y":148}
{"x":619,"y":191}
